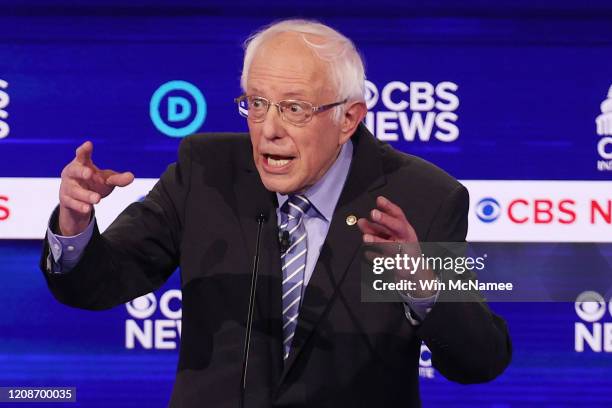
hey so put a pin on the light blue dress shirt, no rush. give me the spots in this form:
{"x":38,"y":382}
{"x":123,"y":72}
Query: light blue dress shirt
{"x":323,"y":196}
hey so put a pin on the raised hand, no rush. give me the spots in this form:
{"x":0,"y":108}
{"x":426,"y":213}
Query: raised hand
{"x":388,"y":224}
{"x":83,"y":185}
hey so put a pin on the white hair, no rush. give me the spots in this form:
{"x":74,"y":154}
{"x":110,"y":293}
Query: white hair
{"x":346,"y":67}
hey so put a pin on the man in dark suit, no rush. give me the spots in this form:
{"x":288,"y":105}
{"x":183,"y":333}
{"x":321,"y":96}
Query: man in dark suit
{"x":319,"y":177}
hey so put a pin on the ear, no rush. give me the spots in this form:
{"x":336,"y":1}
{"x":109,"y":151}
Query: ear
{"x":353,"y":115}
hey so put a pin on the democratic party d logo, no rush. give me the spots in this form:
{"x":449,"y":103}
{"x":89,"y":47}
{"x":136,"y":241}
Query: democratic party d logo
{"x":178,"y":108}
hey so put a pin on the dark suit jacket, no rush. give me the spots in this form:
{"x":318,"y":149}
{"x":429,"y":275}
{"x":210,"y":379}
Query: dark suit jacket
{"x":201,"y":216}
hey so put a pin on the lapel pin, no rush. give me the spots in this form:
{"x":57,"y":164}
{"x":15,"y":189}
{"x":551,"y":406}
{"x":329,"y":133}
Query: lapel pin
{"x":351,"y":220}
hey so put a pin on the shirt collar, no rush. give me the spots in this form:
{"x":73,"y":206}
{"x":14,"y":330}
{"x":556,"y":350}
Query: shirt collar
{"x":324,"y":194}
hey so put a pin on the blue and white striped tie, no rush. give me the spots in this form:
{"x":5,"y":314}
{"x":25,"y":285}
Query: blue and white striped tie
{"x":293,"y":262}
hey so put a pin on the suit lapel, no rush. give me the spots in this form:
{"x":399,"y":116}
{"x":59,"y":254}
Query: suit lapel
{"x":342,"y":241}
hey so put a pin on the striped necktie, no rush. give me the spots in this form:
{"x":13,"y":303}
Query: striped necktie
{"x":293,"y":262}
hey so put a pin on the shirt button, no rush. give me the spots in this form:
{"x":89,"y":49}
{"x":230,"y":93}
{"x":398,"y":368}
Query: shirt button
{"x":70,"y":248}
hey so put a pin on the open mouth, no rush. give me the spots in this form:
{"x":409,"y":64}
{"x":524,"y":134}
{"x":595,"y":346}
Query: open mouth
{"x":275,"y":160}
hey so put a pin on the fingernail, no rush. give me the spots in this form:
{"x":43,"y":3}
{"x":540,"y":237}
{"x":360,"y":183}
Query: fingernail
{"x":375,"y":215}
{"x":383,"y":200}
{"x":367,"y":238}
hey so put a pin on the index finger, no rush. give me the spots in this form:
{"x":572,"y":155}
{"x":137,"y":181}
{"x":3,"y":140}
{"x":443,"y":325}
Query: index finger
{"x":387,"y":206}
{"x":83,"y":153}
{"x":395,"y":219}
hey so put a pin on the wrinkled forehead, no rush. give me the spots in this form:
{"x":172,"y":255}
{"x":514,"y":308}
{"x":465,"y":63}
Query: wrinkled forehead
{"x":286,"y":63}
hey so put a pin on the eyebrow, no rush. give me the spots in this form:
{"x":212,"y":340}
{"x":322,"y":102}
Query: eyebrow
{"x":295,"y":94}
{"x":256,"y":91}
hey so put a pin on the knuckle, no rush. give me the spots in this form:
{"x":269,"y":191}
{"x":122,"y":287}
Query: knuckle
{"x":67,"y":201}
{"x":72,"y":171}
{"x":76,"y":205}
{"x":66,"y":170}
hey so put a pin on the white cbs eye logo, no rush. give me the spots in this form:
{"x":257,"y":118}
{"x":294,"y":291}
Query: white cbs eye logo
{"x":604,"y":121}
{"x":425,"y":356}
{"x":371,"y":94}
{"x":142,"y":307}
{"x":590,"y":306}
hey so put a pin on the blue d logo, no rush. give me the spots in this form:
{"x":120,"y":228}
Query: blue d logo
{"x":178,"y":109}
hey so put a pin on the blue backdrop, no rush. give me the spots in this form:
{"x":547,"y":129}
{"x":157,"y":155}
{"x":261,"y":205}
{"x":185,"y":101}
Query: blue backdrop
{"x":530,"y":77}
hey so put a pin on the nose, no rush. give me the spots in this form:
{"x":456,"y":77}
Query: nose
{"x":272,"y":126}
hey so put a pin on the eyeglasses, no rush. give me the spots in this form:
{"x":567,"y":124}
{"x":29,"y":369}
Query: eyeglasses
{"x":295,"y":112}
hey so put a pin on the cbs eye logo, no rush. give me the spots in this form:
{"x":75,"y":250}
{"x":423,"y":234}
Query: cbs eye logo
{"x":371,"y":94}
{"x":142,"y":307}
{"x":488,"y":210}
{"x":425,"y":356}
{"x":4,"y":101}
{"x":590,"y":306}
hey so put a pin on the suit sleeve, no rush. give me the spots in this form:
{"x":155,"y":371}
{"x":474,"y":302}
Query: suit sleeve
{"x":138,"y":251}
{"x":468,"y":342}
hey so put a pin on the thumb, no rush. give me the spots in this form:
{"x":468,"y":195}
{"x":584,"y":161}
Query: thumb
{"x":120,"y":179}
{"x":84,"y":152}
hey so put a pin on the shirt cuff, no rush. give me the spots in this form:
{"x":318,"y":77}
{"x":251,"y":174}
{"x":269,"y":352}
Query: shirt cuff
{"x":66,"y":251}
{"x":417,"y":308}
